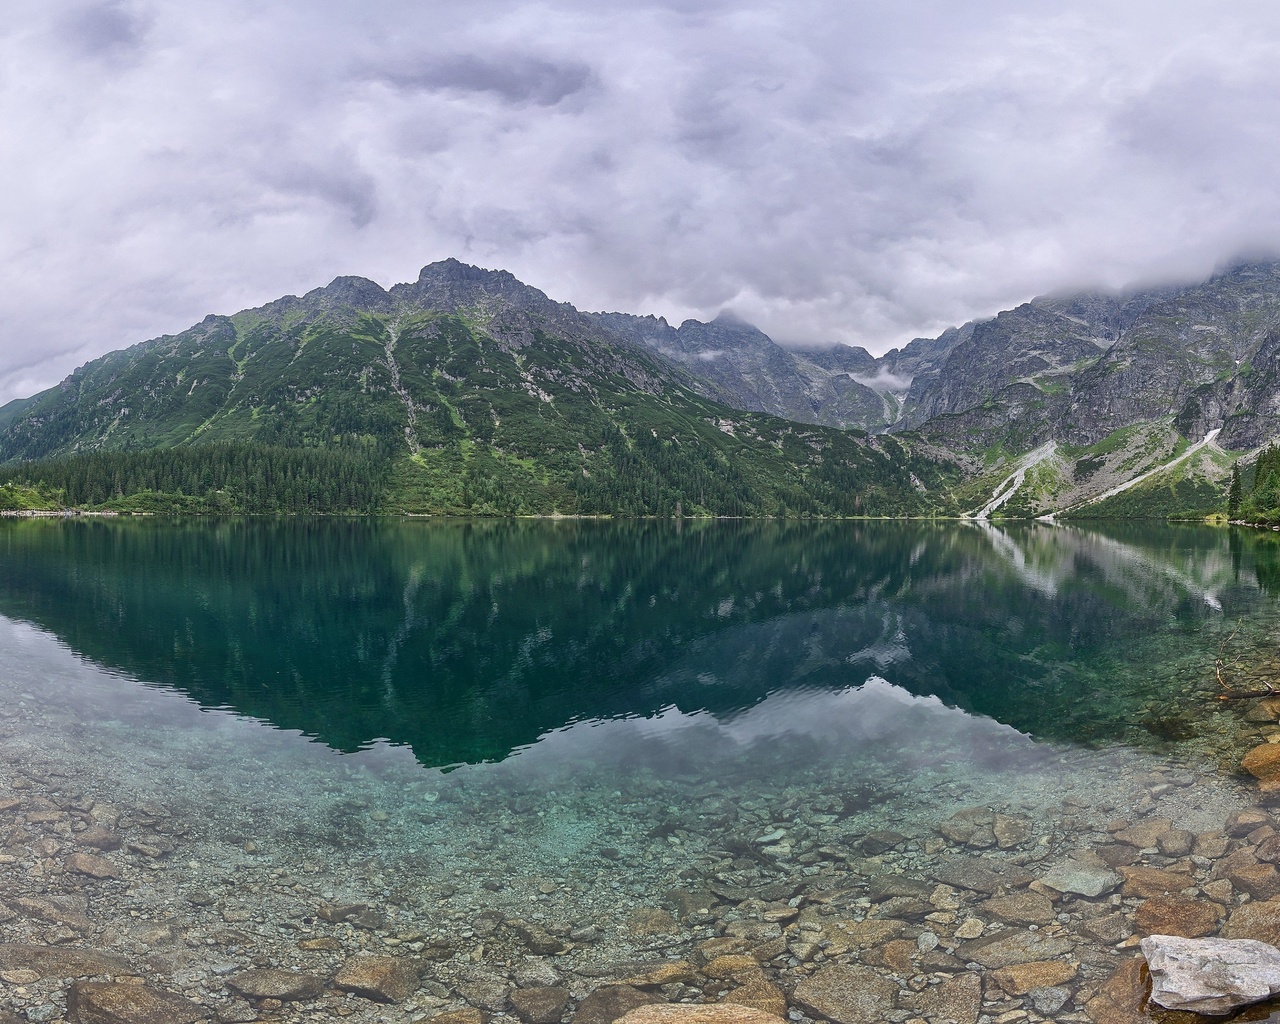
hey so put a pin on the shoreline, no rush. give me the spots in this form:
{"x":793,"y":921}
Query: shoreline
{"x":1209,"y":520}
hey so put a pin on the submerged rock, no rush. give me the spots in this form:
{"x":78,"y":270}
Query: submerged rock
{"x":99,"y":838}
{"x":1049,"y":1000}
{"x":957,"y":999}
{"x":846,"y":995}
{"x":1263,"y":762}
{"x":1120,"y":999}
{"x":94,"y":867}
{"x":1177,"y":915}
{"x":1144,"y":834}
{"x":544,"y":1004}
{"x":973,"y":827}
{"x":606,"y":1005}
{"x":759,"y":993}
{"x":275,"y":983}
{"x":1260,"y":881}
{"x":469,"y":1015}
{"x":1019,"y":979}
{"x":646,"y":921}
{"x":1021,"y":908}
{"x":1176,"y":843}
{"x":679,"y":971}
{"x":385,"y":979}
{"x":722,"y":1013}
{"x":486,"y":990}
{"x":1259,"y":920}
{"x":1145,"y":882}
{"x":92,"y":1002}
{"x":1210,"y":976}
{"x":981,"y":875}
{"x":60,"y":962}
{"x":1081,"y":877}
{"x":1014,"y":946}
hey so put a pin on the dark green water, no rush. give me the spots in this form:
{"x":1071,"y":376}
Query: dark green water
{"x":467,"y":641}
{"x":581,"y":723}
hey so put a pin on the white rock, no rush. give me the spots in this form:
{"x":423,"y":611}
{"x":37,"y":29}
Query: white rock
{"x":1213,"y":976}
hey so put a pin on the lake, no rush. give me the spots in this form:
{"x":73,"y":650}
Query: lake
{"x":543,"y":757}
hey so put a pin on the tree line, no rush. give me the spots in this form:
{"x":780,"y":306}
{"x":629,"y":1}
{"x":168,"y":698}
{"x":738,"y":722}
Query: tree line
{"x":225,"y":477}
{"x":1258,"y":500}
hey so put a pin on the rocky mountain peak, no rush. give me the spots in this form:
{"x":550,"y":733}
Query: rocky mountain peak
{"x":451,"y":286}
{"x":357,"y":292}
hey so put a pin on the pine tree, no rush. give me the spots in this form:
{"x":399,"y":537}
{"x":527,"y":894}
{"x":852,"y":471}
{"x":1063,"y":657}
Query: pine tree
{"x":1233,"y":492}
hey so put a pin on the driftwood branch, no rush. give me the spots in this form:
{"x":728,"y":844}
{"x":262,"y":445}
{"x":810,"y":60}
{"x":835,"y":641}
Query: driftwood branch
{"x":1227,"y":690}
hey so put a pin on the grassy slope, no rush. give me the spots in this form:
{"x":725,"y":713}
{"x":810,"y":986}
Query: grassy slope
{"x":475,"y":425}
{"x":1192,"y":489}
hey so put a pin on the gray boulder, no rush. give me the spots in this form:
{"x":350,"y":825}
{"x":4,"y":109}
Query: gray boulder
{"x":1081,"y":877}
{"x":1211,"y":976}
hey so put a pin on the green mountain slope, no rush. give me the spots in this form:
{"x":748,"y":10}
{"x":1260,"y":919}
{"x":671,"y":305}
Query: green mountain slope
{"x":479,"y":393}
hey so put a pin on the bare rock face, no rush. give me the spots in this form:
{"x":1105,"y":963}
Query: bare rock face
{"x":1210,"y":976}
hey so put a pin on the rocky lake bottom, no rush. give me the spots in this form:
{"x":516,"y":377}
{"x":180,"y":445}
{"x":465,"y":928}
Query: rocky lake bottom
{"x":576,"y":773}
{"x":167,"y":862}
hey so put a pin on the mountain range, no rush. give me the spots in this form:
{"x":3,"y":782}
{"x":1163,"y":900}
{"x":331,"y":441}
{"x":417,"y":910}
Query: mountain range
{"x":483,"y":395}
{"x":486,"y":395}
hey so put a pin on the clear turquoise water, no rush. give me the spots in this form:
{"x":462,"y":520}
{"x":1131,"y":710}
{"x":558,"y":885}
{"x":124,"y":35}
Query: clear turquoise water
{"x":464,"y":710}
{"x":466,"y":641}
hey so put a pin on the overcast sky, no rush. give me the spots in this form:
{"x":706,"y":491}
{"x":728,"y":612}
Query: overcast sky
{"x":830,"y":170}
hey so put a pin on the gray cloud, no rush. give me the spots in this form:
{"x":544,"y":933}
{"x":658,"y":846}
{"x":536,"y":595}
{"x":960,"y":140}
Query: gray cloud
{"x":104,"y":29}
{"x":515,"y":79}
{"x":831,"y":170}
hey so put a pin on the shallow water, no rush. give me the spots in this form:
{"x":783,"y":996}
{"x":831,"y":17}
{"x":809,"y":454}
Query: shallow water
{"x":563,"y":721}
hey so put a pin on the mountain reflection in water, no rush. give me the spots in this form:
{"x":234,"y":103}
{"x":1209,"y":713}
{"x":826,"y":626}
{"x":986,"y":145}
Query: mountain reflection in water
{"x":467,"y":640}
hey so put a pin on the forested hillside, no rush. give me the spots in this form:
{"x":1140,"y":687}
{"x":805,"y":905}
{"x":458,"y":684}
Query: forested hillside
{"x":1254,"y":496}
{"x":219,"y":478}
{"x":466,"y":392}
